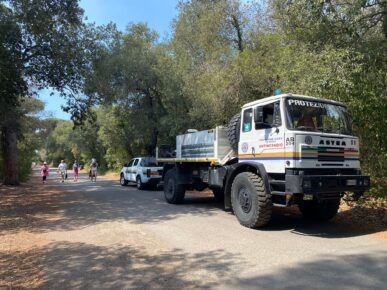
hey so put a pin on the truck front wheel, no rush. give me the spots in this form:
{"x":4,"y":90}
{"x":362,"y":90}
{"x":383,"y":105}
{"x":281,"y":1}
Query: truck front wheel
{"x":174,"y":193}
{"x":323,"y":211}
{"x":251,"y":204}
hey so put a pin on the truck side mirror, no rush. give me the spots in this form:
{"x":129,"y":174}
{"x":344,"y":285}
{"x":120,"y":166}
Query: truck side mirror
{"x":258,"y":115}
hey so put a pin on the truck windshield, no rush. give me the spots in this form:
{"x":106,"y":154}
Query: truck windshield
{"x":308,"y":115}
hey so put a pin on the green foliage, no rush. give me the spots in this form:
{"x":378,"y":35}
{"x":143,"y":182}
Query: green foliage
{"x":43,"y":44}
{"x":71,"y":143}
{"x":30,"y":135}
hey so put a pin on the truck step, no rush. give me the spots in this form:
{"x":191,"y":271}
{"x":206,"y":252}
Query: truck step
{"x":277,"y":182}
{"x":280,"y":205}
{"x":282,"y":193}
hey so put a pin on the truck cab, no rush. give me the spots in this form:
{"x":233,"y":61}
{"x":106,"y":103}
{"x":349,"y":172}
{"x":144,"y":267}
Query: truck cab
{"x":305,"y":144}
{"x":141,"y":170}
{"x":286,"y":150}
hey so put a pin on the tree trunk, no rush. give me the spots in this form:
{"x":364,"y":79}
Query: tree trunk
{"x":152,"y":116}
{"x":237,"y":26}
{"x":9,"y":154}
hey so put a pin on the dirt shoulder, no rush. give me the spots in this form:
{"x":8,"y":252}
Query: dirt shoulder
{"x":23,"y":210}
{"x":368,"y":216}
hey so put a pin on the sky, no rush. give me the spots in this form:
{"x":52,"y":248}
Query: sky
{"x":158,"y":14}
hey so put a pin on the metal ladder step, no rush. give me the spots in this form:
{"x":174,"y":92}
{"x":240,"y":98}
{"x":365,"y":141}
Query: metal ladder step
{"x":277,"y":182}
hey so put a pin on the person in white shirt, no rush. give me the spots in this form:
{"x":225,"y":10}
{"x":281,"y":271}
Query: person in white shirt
{"x":62,"y":170}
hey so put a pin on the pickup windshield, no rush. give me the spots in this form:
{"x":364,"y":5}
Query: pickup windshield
{"x":308,"y":115}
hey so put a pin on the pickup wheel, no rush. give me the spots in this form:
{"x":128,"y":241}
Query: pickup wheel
{"x":251,"y":204}
{"x":123,"y":181}
{"x":174,"y":193}
{"x":218,"y":194}
{"x":323,"y":211}
{"x":139,"y":183}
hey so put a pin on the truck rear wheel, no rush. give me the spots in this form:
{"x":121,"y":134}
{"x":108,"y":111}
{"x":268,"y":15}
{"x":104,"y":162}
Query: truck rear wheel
{"x":323,"y":211}
{"x":251,"y":204}
{"x":233,"y":130}
{"x":174,"y":193}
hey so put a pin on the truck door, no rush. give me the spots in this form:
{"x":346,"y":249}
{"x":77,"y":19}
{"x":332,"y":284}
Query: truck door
{"x":264,"y":143}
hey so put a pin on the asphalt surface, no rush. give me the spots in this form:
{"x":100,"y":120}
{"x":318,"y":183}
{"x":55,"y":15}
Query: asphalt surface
{"x":114,"y":237}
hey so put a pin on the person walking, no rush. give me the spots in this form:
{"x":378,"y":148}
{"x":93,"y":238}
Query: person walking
{"x":62,"y":170}
{"x":44,"y":172}
{"x":75,"y":170}
{"x":93,"y":169}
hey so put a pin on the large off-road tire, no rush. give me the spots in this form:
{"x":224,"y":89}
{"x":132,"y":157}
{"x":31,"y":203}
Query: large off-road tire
{"x":251,"y":204}
{"x":174,"y":193}
{"x":323,"y":211}
{"x":123,"y":181}
{"x":139,"y":184}
{"x":218,"y":194}
{"x":233,"y":132}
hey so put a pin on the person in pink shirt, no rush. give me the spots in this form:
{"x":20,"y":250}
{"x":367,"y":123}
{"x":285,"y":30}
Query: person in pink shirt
{"x":75,"y":170}
{"x":44,"y":172}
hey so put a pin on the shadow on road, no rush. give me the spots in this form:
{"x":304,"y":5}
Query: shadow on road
{"x":74,"y":205}
{"x":342,"y":226}
{"x":362,"y":271}
{"x":86,"y":266}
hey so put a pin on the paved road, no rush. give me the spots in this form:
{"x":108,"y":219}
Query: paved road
{"x":109,"y":236}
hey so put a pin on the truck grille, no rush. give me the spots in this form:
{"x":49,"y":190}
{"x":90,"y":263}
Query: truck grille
{"x":329,"y":154}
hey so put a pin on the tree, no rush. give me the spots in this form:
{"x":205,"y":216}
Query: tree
{"x":29,"y":134}
{"x":43,"y":44}
{"x":355,"y":34}
{"x":125,"y":76}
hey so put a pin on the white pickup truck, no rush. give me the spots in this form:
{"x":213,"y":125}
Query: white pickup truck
{"x":141,"y":170}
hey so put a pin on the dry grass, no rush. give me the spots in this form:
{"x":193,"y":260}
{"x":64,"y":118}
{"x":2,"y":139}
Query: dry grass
{"x":21,"y":245}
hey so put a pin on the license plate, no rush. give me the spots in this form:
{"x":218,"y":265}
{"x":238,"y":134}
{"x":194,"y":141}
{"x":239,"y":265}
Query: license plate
{"x":351,"y":182}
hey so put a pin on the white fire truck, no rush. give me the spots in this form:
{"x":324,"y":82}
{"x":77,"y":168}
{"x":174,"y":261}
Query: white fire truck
{"x":278,"y":151}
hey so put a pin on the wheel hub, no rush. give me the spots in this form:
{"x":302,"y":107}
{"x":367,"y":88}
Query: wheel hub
{"x":244,"y":200}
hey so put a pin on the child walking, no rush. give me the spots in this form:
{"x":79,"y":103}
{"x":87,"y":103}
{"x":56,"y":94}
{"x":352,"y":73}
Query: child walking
{"x":44,"y":172}
{"x":75,"y":170}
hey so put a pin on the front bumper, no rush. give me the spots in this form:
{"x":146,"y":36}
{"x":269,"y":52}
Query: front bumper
{"x":326,"y":183}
